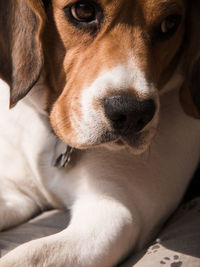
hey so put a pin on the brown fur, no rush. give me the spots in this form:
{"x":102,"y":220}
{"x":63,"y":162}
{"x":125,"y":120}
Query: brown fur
{"x":21,"y":50}
{"x":72,"y":57}
{"x":190,"y":93}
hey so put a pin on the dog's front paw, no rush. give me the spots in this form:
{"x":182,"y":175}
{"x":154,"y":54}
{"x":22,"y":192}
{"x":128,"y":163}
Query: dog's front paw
{"x":31,"y":254}
{"x":68,"y":249}
{"x":47,"y":252}
{"x":102,"y":238}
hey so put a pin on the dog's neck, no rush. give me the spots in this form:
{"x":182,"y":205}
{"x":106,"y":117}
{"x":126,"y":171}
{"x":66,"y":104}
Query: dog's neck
{"x":37,"y":100}
{"x":62,"y":155}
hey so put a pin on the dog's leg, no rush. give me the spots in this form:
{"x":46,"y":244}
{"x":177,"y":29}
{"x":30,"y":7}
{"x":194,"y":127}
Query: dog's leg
{"x":15,"y":205}
{"x":101,"y":232}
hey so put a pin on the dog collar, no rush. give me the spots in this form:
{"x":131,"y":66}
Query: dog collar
{"x":62,"y":155}
{"x":64,"y":159}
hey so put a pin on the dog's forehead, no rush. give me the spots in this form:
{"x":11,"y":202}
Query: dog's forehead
{"x":145,"y":6}
{"x":141,"y":13}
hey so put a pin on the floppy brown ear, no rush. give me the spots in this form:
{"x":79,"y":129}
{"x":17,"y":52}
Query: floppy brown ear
{"x":21,"y":55}
{"x":190,"y":92}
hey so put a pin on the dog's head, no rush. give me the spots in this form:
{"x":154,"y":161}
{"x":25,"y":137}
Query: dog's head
{"x":104,"y":63}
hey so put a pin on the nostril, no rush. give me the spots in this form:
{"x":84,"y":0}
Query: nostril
{"x":140,"y":123}
{"x":119,"y":121}
{"x":114,"y":112}
{"x":118,"y":118}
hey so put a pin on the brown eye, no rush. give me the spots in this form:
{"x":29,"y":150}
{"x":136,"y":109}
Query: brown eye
{"x":86,"y":15}
{"x":83,"y":12}
{"x":170,"y":25}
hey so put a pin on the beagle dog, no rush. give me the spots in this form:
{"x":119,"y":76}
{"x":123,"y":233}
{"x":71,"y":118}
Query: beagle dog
{"x":113,"y":85}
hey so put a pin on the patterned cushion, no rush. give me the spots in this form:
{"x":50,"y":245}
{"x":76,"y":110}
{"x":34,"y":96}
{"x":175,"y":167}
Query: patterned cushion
{"x":177,"y":245}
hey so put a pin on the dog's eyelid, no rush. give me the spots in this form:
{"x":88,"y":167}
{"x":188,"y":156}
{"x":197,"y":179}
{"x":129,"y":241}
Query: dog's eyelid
{"x":166,"y":27}
{"x":171,"y":8}
{"x":83,"y":11}
{"x":167,"y":10}
{"x":92,"y":23}
{"x":170,"y":22}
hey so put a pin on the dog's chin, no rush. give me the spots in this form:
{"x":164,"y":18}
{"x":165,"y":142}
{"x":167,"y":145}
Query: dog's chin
{"x":136,"y":144}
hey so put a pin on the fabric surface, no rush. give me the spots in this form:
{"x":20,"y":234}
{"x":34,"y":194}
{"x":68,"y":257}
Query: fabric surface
{"x":48,"y":223}
{"x":177,"y":245}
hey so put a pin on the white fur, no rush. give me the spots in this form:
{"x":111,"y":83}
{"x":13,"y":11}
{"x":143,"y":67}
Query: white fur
{"x":116,"y":80}
{"x":117,"y":199}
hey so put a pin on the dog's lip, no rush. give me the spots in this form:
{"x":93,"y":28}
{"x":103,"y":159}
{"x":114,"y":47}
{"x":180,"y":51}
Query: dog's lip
{"x":131,"y":140}
{"x":119,"y":142}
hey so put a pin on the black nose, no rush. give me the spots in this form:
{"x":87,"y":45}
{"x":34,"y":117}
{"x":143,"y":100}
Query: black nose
{"x":127,"y":114}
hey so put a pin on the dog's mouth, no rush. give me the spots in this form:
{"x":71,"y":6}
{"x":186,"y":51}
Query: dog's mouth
{"x":137,"y":142}
{"x":119,"y":142}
